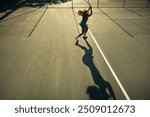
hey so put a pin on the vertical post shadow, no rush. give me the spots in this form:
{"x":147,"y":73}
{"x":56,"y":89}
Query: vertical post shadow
{"x":102,"y":89}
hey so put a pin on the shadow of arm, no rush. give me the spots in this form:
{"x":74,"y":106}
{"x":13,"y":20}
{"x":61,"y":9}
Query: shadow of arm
{"x":82,"y":47}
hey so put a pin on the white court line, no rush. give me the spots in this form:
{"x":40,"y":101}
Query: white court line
{"x":109,"y":66}
{"x":127,"y":17}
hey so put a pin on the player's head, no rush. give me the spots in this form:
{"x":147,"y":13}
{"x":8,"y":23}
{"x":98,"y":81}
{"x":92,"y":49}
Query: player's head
{"x":80,"y":12}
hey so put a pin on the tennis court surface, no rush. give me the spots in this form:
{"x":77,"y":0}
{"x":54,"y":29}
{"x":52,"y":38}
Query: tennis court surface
{"x":40,"y":59}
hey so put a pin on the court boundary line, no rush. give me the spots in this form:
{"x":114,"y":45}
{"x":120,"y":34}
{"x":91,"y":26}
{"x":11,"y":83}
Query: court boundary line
{"x":37,"y":22}
{"x":75,"y":20}
{"x":115,"y":22}
{"x":19,"y":15}
{"x":137,"y":14}
{"x":110,"y":68}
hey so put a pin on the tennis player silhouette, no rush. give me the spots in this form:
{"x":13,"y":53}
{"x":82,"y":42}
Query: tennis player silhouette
{"x":85,"y":15}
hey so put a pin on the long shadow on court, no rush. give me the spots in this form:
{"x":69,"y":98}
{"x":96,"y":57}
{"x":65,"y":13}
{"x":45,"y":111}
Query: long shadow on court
{"x":102,"y":89}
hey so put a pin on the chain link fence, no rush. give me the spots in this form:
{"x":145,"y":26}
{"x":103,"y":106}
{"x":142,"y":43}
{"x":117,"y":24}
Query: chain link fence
{"x":7,"y":6}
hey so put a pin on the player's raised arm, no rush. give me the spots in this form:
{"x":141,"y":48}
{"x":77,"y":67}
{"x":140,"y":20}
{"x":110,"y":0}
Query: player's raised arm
{"x":90,"y":9}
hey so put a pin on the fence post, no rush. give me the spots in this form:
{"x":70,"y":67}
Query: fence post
{"x":124,"y":3}
{"x":98,"y":4}
{"x":72,"y":3}
{"x":148,"y":3}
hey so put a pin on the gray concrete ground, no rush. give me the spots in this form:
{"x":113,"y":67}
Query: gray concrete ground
{"x":39,"y":58}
